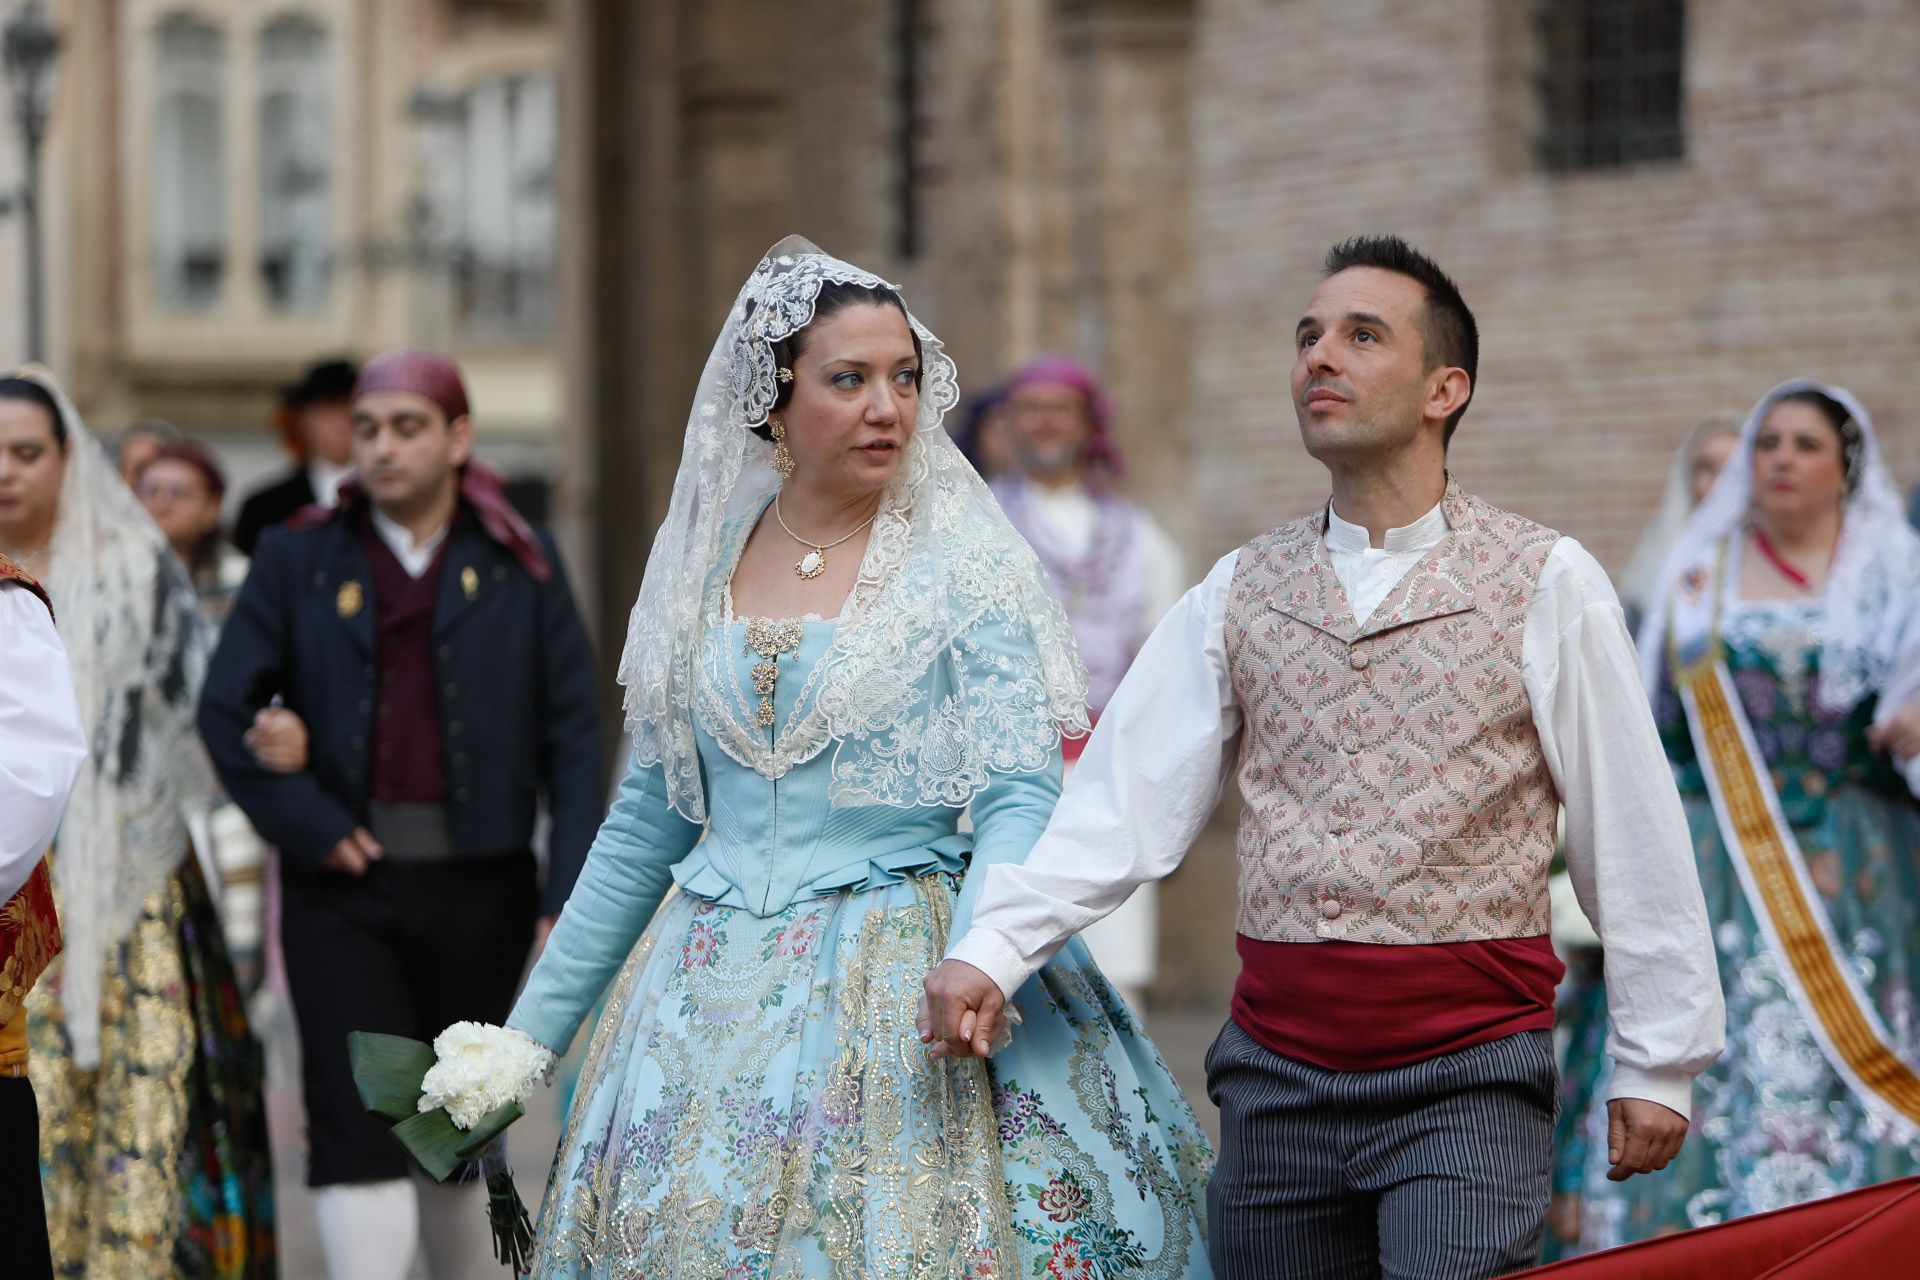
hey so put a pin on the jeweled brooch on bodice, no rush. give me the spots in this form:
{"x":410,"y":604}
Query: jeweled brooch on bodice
{"x":772,"y":639}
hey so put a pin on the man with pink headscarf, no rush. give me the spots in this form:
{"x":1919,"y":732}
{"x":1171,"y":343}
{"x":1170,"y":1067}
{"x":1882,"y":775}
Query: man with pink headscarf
{"x":425,"y":638}
{"x":1114,"y":570}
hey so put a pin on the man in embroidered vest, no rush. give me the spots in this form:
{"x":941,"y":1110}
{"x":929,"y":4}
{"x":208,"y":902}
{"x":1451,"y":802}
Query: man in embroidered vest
{"x":1412,"y":685}
{"x":425,"y":638}
{"x":43,"y":743}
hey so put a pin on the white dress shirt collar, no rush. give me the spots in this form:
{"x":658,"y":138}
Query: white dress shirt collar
{"x":1418,"y":536}
{"x":413,"y":557}
{"x":326,"y":479}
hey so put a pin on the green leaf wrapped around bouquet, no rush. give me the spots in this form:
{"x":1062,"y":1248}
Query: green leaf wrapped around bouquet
{"x":387,"y":1070}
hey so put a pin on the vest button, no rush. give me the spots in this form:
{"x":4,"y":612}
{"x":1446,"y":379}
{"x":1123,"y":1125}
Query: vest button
{"x":1330,"y":909}
{"x":1351,"y":744}
{"x":1357,"y":660}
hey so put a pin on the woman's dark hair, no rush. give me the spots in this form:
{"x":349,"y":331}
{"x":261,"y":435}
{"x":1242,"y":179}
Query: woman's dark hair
{"x":1853,"y":441}
{"x":834,"y":296}
{"x":33,"y":393}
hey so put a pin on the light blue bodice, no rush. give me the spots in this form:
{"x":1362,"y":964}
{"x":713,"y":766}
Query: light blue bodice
{"x":769,"y":843}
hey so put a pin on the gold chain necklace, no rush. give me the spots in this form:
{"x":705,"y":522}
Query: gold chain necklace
{"x":814,"y":562}
{"x":772,"y":640}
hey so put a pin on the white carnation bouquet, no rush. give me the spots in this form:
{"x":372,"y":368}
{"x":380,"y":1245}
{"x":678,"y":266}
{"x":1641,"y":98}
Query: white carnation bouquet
{"x":478,"y":1069}
{"x":449,"y":1104}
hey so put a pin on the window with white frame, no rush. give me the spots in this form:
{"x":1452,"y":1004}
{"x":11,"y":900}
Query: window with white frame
{"x":503,"y":260}
{"x":190,"y":184}
{"x":294,"y":141}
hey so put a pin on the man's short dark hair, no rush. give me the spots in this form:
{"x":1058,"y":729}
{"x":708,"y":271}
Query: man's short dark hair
{"x":1451,"y":336}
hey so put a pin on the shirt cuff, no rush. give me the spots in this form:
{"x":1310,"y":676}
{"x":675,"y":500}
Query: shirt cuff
{"x":994,"y":956}
{"x":1671,"y":1087}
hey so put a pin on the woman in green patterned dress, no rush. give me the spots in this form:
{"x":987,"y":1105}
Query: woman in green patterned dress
{"x":1799,"y":577}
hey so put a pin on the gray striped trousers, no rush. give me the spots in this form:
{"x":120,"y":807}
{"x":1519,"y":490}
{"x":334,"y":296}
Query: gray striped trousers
{"x":1434,"y":1171}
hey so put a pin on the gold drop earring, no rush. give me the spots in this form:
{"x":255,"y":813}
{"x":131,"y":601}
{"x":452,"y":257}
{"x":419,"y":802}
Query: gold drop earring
{"x":782,"y":456}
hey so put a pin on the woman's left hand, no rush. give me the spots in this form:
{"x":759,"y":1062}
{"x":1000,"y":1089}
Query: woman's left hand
{"x":1898,"y":733}
{"x":960,"y":1013}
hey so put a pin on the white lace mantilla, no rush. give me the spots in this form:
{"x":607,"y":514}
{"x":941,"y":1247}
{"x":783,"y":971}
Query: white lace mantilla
{"x":139,"y":647}
{"x":918,"y":710}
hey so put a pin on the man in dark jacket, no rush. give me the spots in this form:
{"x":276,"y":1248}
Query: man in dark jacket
{"x":315,"y":420}
{"x":428,"y":641}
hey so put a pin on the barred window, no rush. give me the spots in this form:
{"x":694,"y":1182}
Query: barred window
{"x":1610,"y":82}
{"x":293,"y":163}
{"x":503,"y":268}
{"x":189,"y":163}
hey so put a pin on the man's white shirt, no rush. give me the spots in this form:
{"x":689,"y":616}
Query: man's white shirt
{"x":43,"y":742}
{"x":1154,"y":771}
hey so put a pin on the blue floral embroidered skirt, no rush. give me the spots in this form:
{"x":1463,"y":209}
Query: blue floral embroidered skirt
{"x":756,"y":1103}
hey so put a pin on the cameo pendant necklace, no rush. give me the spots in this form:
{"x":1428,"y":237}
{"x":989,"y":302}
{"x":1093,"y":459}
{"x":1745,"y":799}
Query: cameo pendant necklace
{"x":814,"y":562}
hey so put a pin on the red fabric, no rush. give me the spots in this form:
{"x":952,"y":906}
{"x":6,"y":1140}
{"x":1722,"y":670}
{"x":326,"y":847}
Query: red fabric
{"x":1071,"y":749}
{"x":1361,"y":1006}
{"x":484,"y":492}
{"x":1869,"y":1234}
{"x":409,"y":762}
{"x":29,"y":939}
{"x":422,"y":373}
{"x":10,"y":571}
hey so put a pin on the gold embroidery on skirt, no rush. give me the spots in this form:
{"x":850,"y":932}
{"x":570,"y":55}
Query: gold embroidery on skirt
{"x":897,"y":1170}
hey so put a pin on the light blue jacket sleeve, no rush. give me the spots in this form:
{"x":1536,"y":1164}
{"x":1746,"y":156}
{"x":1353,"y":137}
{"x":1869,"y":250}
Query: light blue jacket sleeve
{"x":1011,"y":811}
{"x":626,"y":874}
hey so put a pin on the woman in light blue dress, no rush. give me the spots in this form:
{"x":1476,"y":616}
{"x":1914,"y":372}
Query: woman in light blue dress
{"x":829,"y":734}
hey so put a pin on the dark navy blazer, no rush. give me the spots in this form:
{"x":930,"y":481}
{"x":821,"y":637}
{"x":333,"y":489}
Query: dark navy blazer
{"x":518,"y":699}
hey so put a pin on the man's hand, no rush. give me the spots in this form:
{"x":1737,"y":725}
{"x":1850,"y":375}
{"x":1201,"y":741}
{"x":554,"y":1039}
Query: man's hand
{"x":961,"y":1014}
{"x":1900,"y":734}
{"x":353,"y":855}
{"x":278,"y":740}
{"x":542,"y":930}
{"x":1642,"y":1136}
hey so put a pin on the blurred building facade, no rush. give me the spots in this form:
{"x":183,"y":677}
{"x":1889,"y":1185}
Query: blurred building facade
{"x":238,"y":189}
{"x":1657,"y":209}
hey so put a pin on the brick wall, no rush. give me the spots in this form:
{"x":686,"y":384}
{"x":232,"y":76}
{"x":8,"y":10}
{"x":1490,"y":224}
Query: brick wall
{"x":1616,"y":307}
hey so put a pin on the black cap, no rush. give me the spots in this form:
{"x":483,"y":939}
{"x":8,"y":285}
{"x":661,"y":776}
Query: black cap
{"x":330,"y":380}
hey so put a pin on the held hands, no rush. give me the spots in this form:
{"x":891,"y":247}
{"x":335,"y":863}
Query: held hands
{"x":1899,"y":733}
{"x":1642,"y":1137}
{"x":278,"y":740}
{"x":962,"y":1012}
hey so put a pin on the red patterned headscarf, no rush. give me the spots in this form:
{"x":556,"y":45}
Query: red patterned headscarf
{"x":437,"y":377}
{"x":424,"y":373}
{"x":1103,"y":461}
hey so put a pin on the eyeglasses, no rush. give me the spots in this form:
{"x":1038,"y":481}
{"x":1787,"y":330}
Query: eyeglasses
{"x":1045,"y":408}
{"x":153,"y":490}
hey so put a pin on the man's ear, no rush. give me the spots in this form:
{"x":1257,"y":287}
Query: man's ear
{"x":461,"y":429}
{"x":1448,"y":391}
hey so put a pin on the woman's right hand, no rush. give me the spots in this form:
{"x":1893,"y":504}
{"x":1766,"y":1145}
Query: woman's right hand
{"x":1899,"y":733}
{"x":1563,"y":1216}
{"x":278,"y":740}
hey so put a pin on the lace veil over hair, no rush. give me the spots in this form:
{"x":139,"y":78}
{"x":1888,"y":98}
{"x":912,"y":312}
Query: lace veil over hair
{"x":1641,"y":579}
{"x":131,"y":623}
{"x":1871,"y":589}
{"x":941,"y":564}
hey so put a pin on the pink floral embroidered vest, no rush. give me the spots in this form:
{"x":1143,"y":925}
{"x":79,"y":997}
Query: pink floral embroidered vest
{"x":1394,"y":785}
